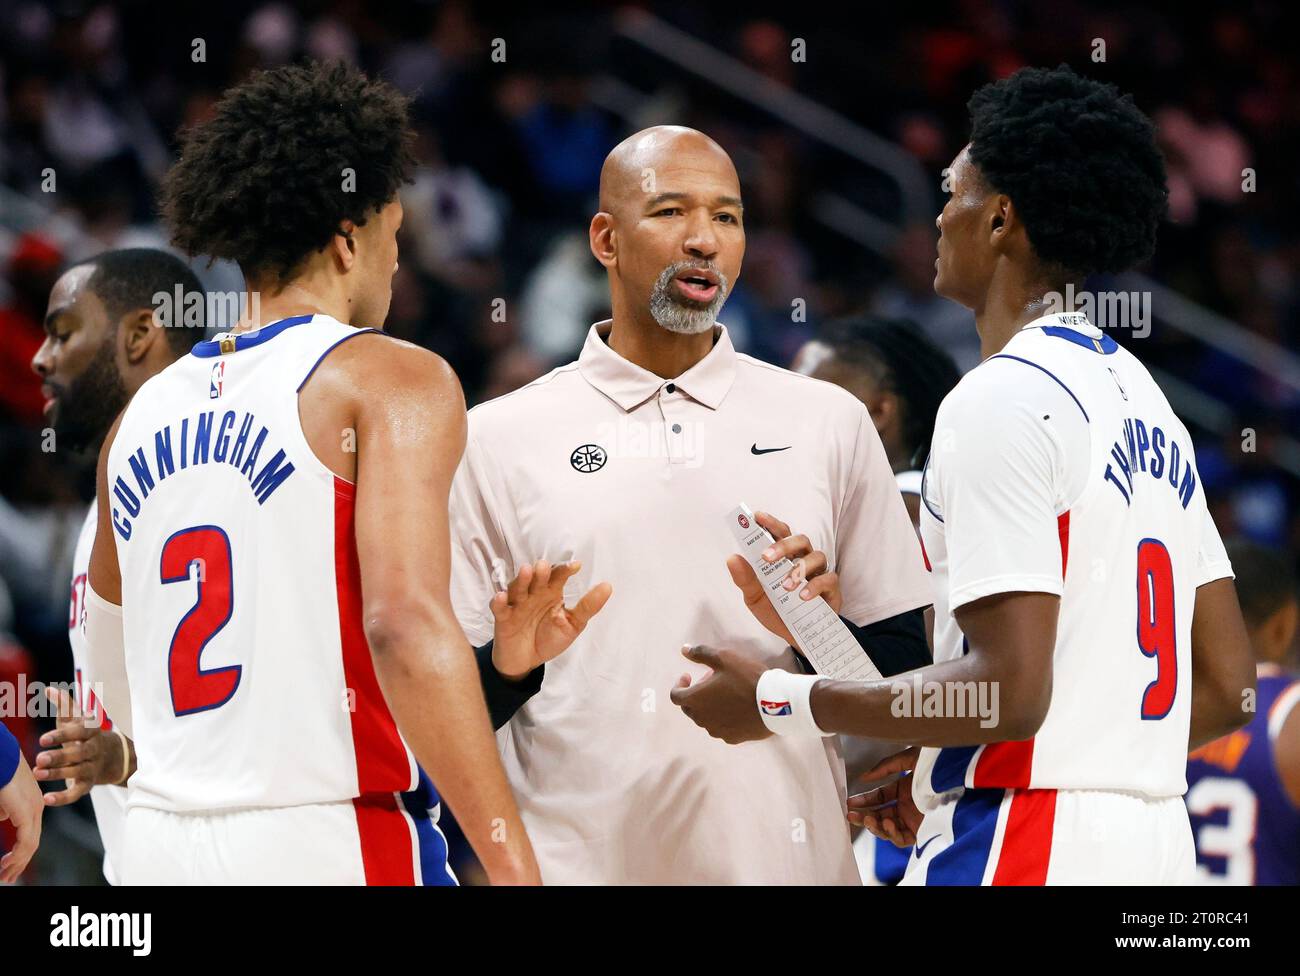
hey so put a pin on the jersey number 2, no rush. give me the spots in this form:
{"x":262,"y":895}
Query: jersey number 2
{"x":202,"y":553}
{"x":1156,"y":634}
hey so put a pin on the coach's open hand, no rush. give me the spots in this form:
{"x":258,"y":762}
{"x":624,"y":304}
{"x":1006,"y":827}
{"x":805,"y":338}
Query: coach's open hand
{"x":723,"y":704}
{"x":532,"y":623}
{"x":809,"y":571}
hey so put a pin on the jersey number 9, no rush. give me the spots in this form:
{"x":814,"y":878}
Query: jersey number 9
{"x":1156,"y":634}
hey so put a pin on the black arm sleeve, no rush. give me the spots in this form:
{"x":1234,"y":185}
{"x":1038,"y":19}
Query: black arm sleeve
{"x":895,"y":644}
{"x":505,"y":697}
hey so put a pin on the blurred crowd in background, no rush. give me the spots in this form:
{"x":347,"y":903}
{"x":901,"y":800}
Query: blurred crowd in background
{"x":495,"y":271}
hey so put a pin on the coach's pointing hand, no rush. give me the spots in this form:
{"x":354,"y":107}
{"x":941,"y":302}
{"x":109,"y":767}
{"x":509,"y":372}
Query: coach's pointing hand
{"x":724,"y":703}
{"x":809,"y":570}
{"x":532,"y":623}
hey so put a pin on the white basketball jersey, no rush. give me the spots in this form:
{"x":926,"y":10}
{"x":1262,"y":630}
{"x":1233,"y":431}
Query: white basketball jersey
{"x":1058,"y":466}
{"x":109,"y":801}
{"x":251,"y":680}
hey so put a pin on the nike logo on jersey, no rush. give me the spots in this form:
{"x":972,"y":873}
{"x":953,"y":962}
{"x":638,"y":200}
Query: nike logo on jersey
{"x":920,"y":848}
{"x":755,"y":449}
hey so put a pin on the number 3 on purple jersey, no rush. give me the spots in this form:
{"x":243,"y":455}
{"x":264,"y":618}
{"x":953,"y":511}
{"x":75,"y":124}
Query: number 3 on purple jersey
{"x":193,"y":689}
{"x":1156,"y":634}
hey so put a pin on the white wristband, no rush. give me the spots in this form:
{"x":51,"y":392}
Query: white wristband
{"x":126,"y":757}
{"x":783,"y":702}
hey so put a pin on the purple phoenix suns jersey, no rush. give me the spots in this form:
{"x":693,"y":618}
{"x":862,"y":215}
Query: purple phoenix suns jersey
{"x":1247,"y":828}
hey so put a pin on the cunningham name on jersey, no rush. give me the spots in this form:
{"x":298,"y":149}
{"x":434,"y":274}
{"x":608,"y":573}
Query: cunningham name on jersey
{"x":213,"y":441}
{"x":241,"y":593}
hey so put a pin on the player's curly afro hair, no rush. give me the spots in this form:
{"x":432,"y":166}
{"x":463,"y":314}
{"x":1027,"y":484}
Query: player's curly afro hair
{"x":1080,"y":162}
{"x":263,"y":182}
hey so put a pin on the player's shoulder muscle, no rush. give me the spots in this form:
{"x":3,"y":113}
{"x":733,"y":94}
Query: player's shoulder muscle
{"x":375,"y":362}
{"x":377,"y":382}
{"x":374,"y":371}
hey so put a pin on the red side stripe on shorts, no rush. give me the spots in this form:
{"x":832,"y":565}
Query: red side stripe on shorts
{"x":1027,"y":839}
{"x":1005,"y":765}
{"x":382,"y":762}
{"x":1063,"y":530}
{"x":924,"y":555}
{"x":386,"y":852}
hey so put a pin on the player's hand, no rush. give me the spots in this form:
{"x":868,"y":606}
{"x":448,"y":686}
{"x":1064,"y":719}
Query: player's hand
{"x":723,"y":704}
{"x":809,"y":572}
{"x":532,"y":623}
{"x":81,"y":754}
{"x":889,"y":811}
{"x":20,"y":803}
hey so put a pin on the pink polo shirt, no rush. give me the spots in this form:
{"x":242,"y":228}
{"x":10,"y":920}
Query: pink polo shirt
{"x":634,"y":475}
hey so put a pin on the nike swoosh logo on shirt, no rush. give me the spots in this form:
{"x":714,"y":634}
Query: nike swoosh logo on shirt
{"x":755,"y":449}
{"x":920,"y":849}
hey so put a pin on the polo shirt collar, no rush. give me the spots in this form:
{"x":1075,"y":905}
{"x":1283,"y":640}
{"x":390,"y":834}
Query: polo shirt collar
{"x":628,"y":385}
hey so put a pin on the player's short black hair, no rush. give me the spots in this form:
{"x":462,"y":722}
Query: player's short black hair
{"x":902,"y":359}
{"x":128,"y":279}
{"x":1266,"y":579}
{"x":1079,"y":161}
{"x":269,"y":179}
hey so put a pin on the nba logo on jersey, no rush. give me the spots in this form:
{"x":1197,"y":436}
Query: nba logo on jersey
{"x":218,"y":376}
{"x":1115,"y":376}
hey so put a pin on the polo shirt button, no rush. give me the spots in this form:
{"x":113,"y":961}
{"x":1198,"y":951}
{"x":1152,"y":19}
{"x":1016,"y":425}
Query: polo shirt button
{"x":670,"y":388}
{"x":677,"y":428}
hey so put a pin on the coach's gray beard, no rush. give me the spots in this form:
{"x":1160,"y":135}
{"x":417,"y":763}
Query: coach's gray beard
{"x":669,"y":311}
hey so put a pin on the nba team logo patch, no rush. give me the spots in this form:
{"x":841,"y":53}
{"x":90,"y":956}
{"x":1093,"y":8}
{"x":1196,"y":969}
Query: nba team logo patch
{"x":744,"y":522}
{"x":588,"y":458}
{"x":218,"y":379}
{"x":775,"y":707}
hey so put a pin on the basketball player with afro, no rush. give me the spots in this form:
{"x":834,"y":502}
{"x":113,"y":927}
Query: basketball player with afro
{"x":1080,"y":587}
{"x":268,"y":601}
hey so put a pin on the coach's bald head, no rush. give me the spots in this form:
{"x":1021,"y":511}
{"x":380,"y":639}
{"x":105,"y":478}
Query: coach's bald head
{"x":637,"y":158}
{"x":670,"y":230}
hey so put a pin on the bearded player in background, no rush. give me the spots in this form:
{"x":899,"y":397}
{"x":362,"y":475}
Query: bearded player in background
{"x":101,"y":345}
